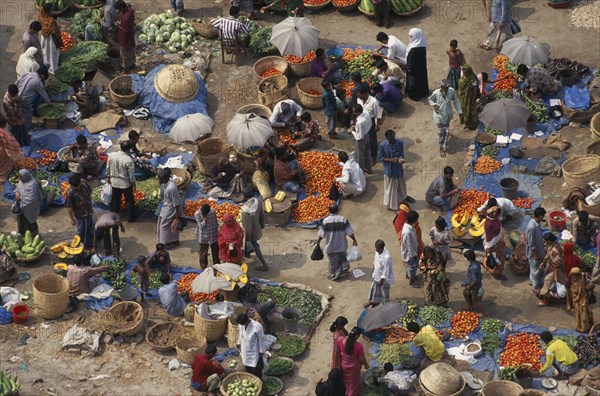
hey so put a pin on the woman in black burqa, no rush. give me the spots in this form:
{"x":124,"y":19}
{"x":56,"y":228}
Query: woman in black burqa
{"x":417,"y":85}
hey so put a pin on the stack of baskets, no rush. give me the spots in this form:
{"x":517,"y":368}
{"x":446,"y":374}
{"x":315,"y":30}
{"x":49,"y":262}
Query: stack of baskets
{"x":188,"y":346}
{"x":209,"y":152}
{"x":162,"y":337}
{"x":121,"y":90}
{"x":272,"y":90}
{"x":211,"y":329}
{"x":595,"y":126}
{"x":239,"y":376}
{"x":51,"y":296}
{"x":125,"y":318}
{"x":307,"y":99}
{"x":266,"y":63}
{"x":441,"y":379}
{"x":176,"y":83}
{"x":581,"y":170}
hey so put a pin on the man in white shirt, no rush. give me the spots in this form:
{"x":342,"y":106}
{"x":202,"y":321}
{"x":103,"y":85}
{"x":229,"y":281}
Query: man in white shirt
{"x":507,"y":208}
{"x":286,"y":113}
{"x":353,"y":181}
{"x":372,"y":108}
{"x":120,"y":174}
{"x":396,"y":49}
{"x":383,"y":275}
{"x":410,"y":247}
{"x":360,"y":131}
{"x":252,"y":344}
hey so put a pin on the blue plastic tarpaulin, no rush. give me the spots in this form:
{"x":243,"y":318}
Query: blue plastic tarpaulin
{"x":165,"y":113}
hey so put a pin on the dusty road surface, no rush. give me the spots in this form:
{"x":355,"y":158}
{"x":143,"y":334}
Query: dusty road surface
{"x":134,"y":369}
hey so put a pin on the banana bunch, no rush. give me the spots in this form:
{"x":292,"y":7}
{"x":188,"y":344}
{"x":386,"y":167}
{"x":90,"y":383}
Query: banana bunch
{"x":404,"y":6}
{"x":9,"y":385}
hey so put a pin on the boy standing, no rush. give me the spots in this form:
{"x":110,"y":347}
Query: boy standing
{"x":329,"y":108}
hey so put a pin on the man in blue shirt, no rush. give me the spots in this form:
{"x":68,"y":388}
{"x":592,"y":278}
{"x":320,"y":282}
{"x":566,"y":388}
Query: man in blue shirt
{"x":473,"y":286}
{"x":171,"y":301}
{"x":329,"y":108}
{"x":388,"y":96}
{"x":391,"y":154}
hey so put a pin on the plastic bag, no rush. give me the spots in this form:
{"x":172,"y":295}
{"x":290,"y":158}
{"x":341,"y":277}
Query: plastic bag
{"x":561,"y":290}
{"x":317,"y":253}
{"x":577,"y":98}
{"x":106,"y":194}
{"x":354,"y":254}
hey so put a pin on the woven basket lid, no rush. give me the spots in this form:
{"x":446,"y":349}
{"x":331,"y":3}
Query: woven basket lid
{"x":441,"y":379}
{"x":176,"y":83}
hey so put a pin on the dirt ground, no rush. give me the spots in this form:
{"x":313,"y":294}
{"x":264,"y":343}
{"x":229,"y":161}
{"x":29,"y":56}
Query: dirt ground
{"x":134,"y":368}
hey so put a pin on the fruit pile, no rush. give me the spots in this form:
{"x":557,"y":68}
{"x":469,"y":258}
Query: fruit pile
{"x":47,"y":157}
{"x":192,"y":206}
{"x":66,"y":41}
{"x":23,"y":246}
{"x":321,"y":168}
{"x":486,"y":165}
{"x":347,"y":86}
{"x":344,"y":3}
{"x":311,"y":209}
{"x":508,"y":83}
{"x":287,"y":138}
{"x":306,"y":58}
{"x":523,"y":203}
{"x":184,"y":284}
{"x":362,"y":63}
{"x":500,"y":62}
{"x":349,"y":54}
{"x":26,"y":163}
{"x":412,"y":312}
{"x":397,"y":334}
{"x":64,"y":186}
{"x":313,"y":92}
{"x":469,"y":201}
{"x":463,"y":323}
{"x":270,"y":72}
{"x":522,"y":348}
{"x":9,"y":384}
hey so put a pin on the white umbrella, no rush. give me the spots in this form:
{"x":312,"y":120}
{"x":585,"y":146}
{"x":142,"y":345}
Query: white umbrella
{"x":526,"y":50}
{"x":207,"y":282}
{"x":248,"y":130}
{"x":295,"y":36}
{"x":191,"y":127}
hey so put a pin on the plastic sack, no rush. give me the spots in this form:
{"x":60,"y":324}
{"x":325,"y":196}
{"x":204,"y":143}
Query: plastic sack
{"x":577,"y":98}
{"x":354,"y":254}
{"x":561,"y":290}
{"x":5,"y":316}
{"x":317,"y":253}
{"x":106,"y":194}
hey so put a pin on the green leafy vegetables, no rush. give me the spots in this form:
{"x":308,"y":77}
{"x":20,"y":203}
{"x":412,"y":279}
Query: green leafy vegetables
{"x":56,"y":87}
{"x":434,"y":315}
{"x":52,"y":111}
{"x":279,"y":366}
{"x":308,"y":303}
{"x":68,"y":71}
{"x":291,"y":346}
{"x":395,"y":354}
{"x":86,"y":54}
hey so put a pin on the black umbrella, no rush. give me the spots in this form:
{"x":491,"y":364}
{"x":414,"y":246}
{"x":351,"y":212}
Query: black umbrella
{"x":382,"y":315}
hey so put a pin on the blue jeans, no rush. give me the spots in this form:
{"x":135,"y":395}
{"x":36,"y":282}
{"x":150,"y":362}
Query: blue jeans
{"x":411,"y":268}
{"x":566,"y":370}
{"x":536,"y":274}
{"x":177,"y":5}
{"x":85,"y":230}
{"x":444,"y":203}
{"x":330,"y":122}
{"x":257,"y":251}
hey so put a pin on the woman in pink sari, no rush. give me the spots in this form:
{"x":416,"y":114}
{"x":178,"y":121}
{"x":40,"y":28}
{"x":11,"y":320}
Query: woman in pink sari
{"x":10,"y":151}
{"x":352,"y":357}
{"x":338,"y":330}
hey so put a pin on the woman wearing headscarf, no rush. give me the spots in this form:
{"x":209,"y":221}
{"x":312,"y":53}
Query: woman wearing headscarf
{"x":435,"y":286}
{"x":417,"y":84}
{"x":493,"y":243}
{"x":352,"y":357}
{"x":27,"y":62}
{"x":10,"y":151}
{"x":338,"y":329}
{"x":50,"y":38}
{"x":170,"y":210}
{"x":29,"y":195}
{"x":571,"y":261}
{"x":581,"y":290}
{"x":231,"y":240}
{"x":468,"y":92}
{"x":253,"y":220}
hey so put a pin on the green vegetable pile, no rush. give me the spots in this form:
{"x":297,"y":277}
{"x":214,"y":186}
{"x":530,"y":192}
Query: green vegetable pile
{"x":507,"y":373}
{"x":154,"y":282}
{"x":271,"y":386}
{"x":412,"y":312}
{"x":539,"y":109}
{"x":56,"y":87}
{"x":116,"y":272}
{"x":46,"y":190}
{"x":259,"y":40}
{"x":45,"y":175}
{"x":588,"y":258}
{"x":22,"y":247}
{"x":490,"y":343}
{"x":395,"y":354}
{"x":68,"y":71}
{"x":86,"y":54}
{"x":87,"y":3}
{"x":96,"y":194}
{"x":52,"y":111}
{"x":84,"y":18}
{"x":492,"y":326}
{"x":496,"y":132}
{"x":14,"y":178}
{"x":490,"y":151}
{"x":147,"y":204}
{"x":308,"y":303}
{"x":291,"y":346}
{"x":198,"y":177}
{"x":149,"y":187}
{"x":362,"y":63}
{"x":571,"y":341}
{"x":166,"y":29}
{"x":57,"y":5}
{"x":279,"y":366}
{"x":242,"y":388}
{"x":434,"y":315}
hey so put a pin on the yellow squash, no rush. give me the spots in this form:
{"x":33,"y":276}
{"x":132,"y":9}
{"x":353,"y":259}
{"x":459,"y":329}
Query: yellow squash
{"x":72,"y":250}
{"x":76,"y":241}
{"x":57,"y":248}
{"x":476,"y":232}
{"x":459,"y":231}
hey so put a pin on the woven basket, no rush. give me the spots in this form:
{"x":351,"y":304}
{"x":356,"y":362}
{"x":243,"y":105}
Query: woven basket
{"x":366,"y":13}
{"x":593,"y":210}
{"x":346,"y":8}
{"x":307,"y":100}
{"x":58,"y":12}
{"x":205,"y":30}
{"x":123,"y":84}
{"x":501,"y":388}
{"x":595,"y":126}
{"x":176,"y":83}
{"x":593,"y":148}
{"x":272,"y":89}
{"x":231,"y":378}
{"x":410,"y":13}
{"x":183,"y":179}
{"x":82,"y":7}
{"x":485,"y":138}
{"x":212,"y":330}
{"x":317,"y":7}
{"x":232,"y":332}
{"x":265,"y":64}
{"x":28,"y":260}
{"x":258,"y":109}
{"x":51,"y":296}
{"x":174,"y":332}
{"x":245,"y":161}
{"x":125,"y":312}
{"x":533,"y":392}
{"x":441,"y":379}
{"x":209,"y":152}
{"x":581,"y":170}
{"x":188,"y":346}
{"x":300,"y":69}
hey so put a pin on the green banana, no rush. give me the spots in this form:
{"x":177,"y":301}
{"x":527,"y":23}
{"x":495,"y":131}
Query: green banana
{"x":399,"y":6}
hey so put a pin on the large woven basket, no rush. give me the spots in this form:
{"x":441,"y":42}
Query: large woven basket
{"x":176,"y":83}
{"x":188,"y":346}
{"x":441,"y":379}
{"x":501,"y":388}
{"x":183,"y":177}
{"x":300,"y":69}
{"x":231,"y":378}
{"x":317,"y":7}
{"x":258,"y":109}
{"x":593,"y":210}
{"x":272,"y":89}
{"x":233,"y":332}
{"x":212,"y":330}
{"x":205,"y":29}
{"x":593,"y":148}
{"x":346,"y":8}
{"x":267,"y":63}
{"x":581,"y":170}
{"x":209,"y":152}
{"x":306,"y":99}
{"x":125,"y":318}
{"x":595,"y":126}
{"x":51,"y":296}
{"x":121,"y":90}
{"x":173,"y":332}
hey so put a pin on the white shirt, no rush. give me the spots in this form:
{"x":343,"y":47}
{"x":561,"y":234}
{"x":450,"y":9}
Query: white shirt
{"x":370,"y":107}
{"x":444,"y":115}
{"x":409,"y":244}
{"x":396,"y":49}
{"x":382,"y":267}
{"x":507,"y":208}
{"x":120,"y":169}
{"x":362,"y":127}
{"x":352,"y":174}
{"x":278,"y":119}
{"x":252,"y":343}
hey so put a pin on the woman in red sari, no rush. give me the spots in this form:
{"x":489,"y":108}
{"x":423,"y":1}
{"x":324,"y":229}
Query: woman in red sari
{"x":571,"y":261}
{"x":352,"y":358}
{"x":10,"y":151}
{"x":231,"y":240}
{"x":338,"y":330}
{"x":126,"y":30}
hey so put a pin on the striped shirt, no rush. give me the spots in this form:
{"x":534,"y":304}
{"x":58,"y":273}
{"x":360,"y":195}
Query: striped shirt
{"x":230,"y":28}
